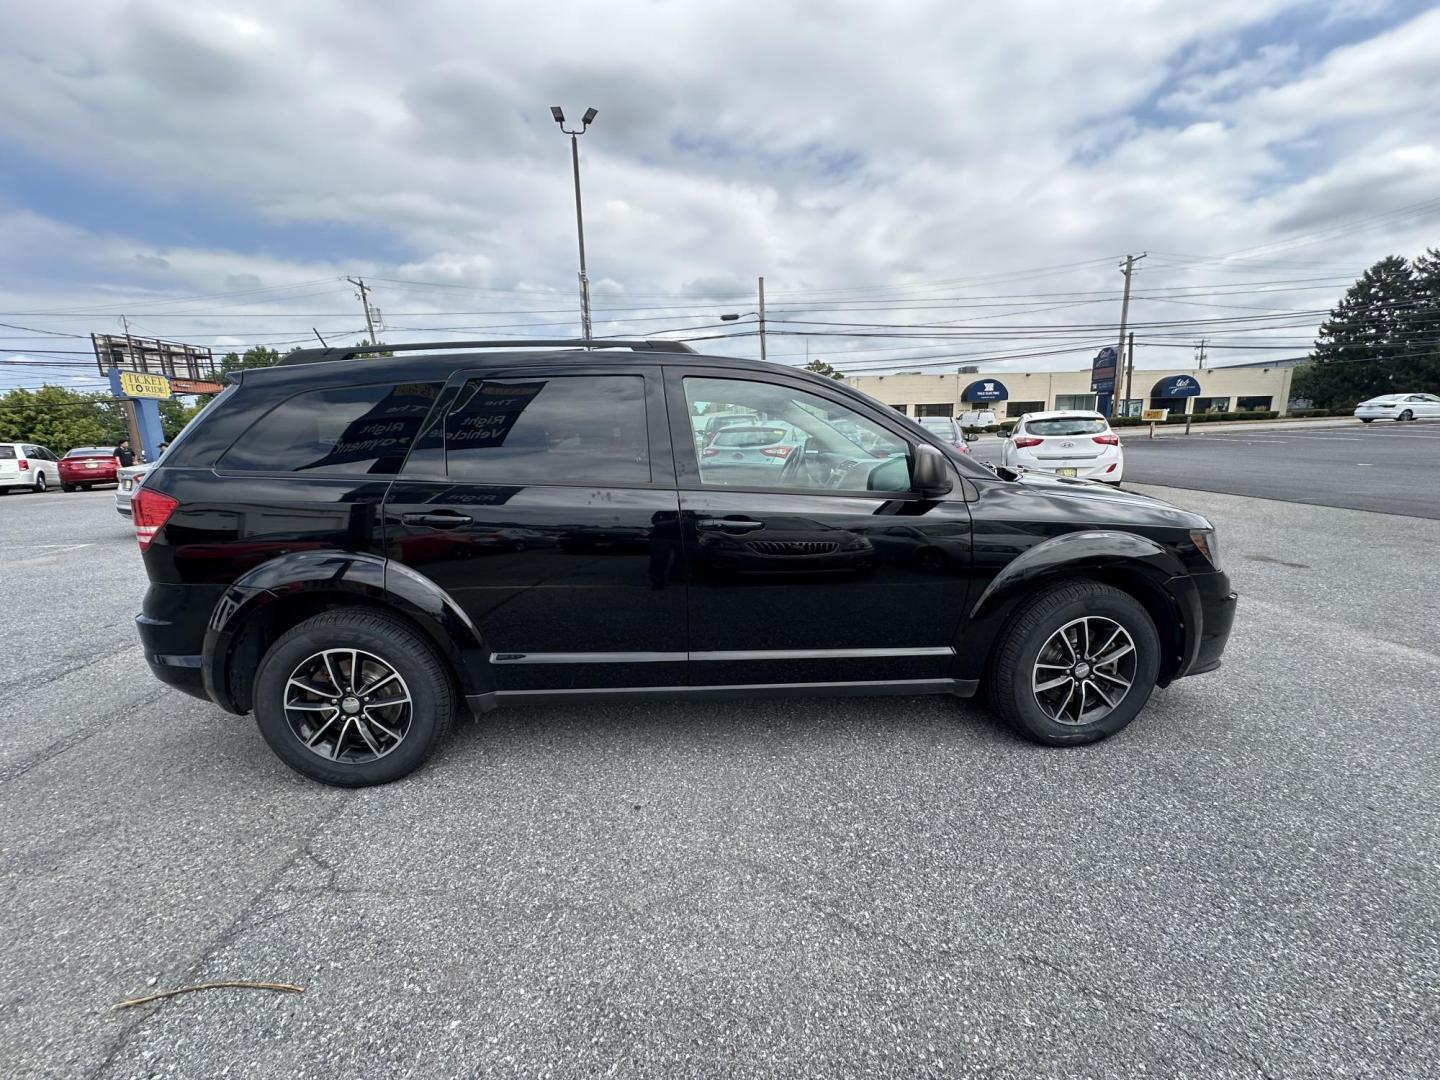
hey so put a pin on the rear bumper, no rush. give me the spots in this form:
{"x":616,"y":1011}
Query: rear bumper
{"x":171,"y":625}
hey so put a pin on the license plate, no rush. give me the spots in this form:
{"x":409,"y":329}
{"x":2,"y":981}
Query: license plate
{"x":1065,"y":472}
{"x":91,"y":465}
{"x":125,"y":485}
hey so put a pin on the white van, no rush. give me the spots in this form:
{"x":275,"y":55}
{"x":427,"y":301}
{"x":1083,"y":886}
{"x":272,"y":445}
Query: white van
{"x":983,"y":418}
{"x":25,"y":465}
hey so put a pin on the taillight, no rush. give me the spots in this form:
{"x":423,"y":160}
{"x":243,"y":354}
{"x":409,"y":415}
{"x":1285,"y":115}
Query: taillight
{"x":114,"y":462}
{"x":1022,"y":441}
{"x":150,"y":510}
{"x":24,"y":464}
{"x":777,"y":451}
{"x":1108,"y":440}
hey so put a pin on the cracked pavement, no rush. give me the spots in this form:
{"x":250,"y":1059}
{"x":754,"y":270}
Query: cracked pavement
{"x":1242,"y":884}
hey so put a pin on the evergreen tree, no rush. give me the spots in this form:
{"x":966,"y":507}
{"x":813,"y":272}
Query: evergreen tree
{"x":1377,"y":339}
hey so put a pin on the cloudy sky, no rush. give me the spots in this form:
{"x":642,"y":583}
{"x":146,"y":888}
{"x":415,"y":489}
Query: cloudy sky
{"x":966,"y":175}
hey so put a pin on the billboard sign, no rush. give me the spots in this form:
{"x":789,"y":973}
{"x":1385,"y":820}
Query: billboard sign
{"x":137,"y":384}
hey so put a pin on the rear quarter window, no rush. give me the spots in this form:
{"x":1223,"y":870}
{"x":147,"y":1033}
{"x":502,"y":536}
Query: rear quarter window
{"x":7,"y":453}
{"x":339,"y":431}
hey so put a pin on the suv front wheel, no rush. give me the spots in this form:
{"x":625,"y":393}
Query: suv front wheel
{"x":353,"y":698}
{"x":1076,"y":664}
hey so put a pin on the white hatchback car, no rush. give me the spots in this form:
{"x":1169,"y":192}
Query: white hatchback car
{"x":1398,"y":407}
{"x":1068,"y":442}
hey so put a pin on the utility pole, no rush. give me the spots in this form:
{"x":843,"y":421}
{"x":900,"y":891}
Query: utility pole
{"x":1200,"y":354}
{"x":1129,"y":366}
{"x":364,"y":295}
{"x":762,"y":318}
{"x":1127,"y":270}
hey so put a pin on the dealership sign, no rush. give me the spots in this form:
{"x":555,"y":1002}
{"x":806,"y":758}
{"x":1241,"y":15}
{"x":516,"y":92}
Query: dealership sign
{"x":1177,"y":386}
{"x":985,"y":390}
{"x":1102,"y":371}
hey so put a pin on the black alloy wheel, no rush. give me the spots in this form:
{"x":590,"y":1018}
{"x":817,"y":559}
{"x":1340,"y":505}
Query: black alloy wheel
{"x":1075,"y":664}
{"x":353,"y":697}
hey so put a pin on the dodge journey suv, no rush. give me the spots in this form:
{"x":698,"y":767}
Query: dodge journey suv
{"x":356,"y":547}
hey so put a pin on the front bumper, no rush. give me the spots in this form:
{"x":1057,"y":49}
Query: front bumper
{"x":1211,"y":606}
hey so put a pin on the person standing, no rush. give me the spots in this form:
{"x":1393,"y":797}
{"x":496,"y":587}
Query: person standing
{"x":124,"y":454}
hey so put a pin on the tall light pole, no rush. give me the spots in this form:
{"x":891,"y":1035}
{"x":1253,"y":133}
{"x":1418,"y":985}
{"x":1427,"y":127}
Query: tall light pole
{"x":585,"y":122}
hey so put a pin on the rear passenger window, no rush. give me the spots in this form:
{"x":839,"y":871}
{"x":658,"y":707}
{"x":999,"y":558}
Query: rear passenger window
{"x":341,"y":431}
{"x":577,"y":429}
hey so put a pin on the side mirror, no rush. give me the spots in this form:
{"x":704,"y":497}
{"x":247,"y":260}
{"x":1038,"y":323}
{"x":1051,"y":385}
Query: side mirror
{"x":930,"y":473}
{"x":1004,"y":433}
{"x":970,"y":436}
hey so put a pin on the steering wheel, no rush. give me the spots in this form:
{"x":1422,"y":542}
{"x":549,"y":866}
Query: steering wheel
{"x":794,"y":467}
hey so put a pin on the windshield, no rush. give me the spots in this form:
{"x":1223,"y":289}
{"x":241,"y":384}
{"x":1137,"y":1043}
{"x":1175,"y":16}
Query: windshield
{"x":943,"y":424}
{"x":1067,"y":426}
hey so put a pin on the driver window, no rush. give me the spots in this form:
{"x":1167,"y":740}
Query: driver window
{"x":755,"y":434}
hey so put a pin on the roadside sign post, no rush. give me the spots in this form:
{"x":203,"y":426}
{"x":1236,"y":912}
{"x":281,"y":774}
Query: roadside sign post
{"x":146,"y":371}
{"x":1155,"y":416}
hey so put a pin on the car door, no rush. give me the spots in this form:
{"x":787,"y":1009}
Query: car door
{"x":818,"y":565}
{"x":542,"y":499}
{"x":1425,"y":404}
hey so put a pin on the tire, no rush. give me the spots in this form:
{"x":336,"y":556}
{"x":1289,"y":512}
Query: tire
{"x":39,"y":487}
{"x":67,"y":487}
{"x":386,"y":643}
{"x":1016,"y":670}
{"x":1406,"y":415}
{"x":1367,"y":419}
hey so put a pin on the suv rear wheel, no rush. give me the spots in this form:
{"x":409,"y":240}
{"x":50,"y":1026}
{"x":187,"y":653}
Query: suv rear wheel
{"x":353,"y":698}
{"x":1076,"y":664}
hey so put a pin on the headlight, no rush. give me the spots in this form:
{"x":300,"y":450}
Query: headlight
{"x":1206,"y":543}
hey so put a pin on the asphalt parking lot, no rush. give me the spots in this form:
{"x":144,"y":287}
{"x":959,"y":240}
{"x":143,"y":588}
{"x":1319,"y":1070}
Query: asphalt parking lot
{"x":1385,"y":467}
{"x":1241,"y":884}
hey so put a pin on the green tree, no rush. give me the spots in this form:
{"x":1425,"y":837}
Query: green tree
{"x":1381,"y":338}
{"x":60,"y":419}
{"x":820,"y":367}
{"x":175,"y":414}
{"x":255,"y":356}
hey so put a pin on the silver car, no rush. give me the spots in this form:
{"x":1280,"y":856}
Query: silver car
{"x":127,"y":480}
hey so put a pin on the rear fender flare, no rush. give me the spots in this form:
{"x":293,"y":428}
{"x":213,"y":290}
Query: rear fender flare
{"x":357,"y":577}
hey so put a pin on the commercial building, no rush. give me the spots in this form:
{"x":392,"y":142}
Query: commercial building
{"x":1013,"y":393}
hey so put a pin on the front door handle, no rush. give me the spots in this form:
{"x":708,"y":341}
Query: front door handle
{"x":729,"y":524}
{"x":441,"y":519}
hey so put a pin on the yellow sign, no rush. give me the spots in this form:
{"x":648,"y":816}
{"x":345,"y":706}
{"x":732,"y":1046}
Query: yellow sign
{"x":1155,"y":416}
{"x":138,"y":384}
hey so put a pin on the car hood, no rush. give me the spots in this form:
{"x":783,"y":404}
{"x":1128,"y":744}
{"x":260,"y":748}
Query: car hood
{"x":1103,"y":504}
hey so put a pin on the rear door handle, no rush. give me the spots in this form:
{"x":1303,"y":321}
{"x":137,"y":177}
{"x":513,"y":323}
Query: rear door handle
{"x":730,"y":524}
{"x":441,"y":519}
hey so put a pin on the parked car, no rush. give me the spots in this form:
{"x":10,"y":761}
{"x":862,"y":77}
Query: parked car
{"x":978,"y":418}
{"x":1398,"y":407}
{"x":948,"y":430}
{"x":86,"y":466}
{"x":127,"y":478}
{"x":287,"y":536}
{"x":26,"y":466}
{"x":765,"y":446}
{"x":1076,"y":443}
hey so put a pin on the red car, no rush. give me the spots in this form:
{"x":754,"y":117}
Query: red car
{"x":86,"y":466}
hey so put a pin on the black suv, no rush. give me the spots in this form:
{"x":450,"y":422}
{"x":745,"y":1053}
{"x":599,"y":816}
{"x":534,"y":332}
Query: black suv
{"x":352,"y":545}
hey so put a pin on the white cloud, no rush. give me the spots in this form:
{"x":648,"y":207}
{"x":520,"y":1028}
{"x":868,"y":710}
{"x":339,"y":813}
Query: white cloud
{"x":854,"y":144}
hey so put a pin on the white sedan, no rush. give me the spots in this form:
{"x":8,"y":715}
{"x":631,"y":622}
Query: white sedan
{"x":1067,"y":443}
{"x":1398,"y":407}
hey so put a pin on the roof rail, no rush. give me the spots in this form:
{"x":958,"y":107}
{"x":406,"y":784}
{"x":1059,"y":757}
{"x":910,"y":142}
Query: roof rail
{"x":315,"y":356}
